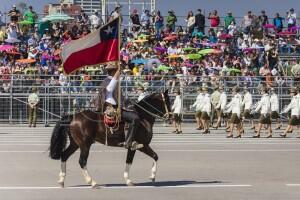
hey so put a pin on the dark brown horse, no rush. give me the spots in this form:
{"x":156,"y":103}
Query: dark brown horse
{"x":87,"y":127}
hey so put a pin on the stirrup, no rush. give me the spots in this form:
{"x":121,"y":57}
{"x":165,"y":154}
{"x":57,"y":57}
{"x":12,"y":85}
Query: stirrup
{"x":136,"y":146}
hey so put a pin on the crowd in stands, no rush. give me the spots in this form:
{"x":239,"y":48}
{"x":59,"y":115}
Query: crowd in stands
{"x":156,"y":49}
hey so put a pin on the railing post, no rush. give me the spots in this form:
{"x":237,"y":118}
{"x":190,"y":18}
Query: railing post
{"x":69,"y":94}
{"x":11,"y":100}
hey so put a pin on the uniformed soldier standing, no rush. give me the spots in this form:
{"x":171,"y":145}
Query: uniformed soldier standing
{"x":275,"y":108}
{"x":221,"y":106}
{"x":247,"y":103}
{"x":264,"y":106}
{"x":177,"y":110}
{"x":197,"y":105}
{"x":235,"y":108}
{"x":215,"y":98}
{"x":206,"y":110}
{"x":33,"y":100}
{"x":295,"y":111}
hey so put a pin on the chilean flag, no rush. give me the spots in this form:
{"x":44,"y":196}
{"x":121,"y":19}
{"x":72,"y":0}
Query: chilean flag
{"x":98,"y":47}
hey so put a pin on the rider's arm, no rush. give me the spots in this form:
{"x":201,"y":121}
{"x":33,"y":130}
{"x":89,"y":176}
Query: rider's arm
{"x":113,"y":83}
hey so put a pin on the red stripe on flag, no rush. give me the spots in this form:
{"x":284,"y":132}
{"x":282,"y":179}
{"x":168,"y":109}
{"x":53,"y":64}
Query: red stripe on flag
{"x":103,"y":52}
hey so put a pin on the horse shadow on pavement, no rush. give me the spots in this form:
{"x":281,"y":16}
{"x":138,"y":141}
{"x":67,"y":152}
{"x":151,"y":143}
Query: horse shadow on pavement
{"x":159,"y":184}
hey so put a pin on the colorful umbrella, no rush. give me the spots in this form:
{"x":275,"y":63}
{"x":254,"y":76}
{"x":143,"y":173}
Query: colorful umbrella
{"x":210,"y":51}
{"x":25,"y":22}
{"x":269,"y":26}
{"x":188,"y":49}
{"x":138,"y":61}
{"x":194,"y":56}
{"x":140,"y":41}
{"x":160,"y":49}
{"x":57,"y":17}
{"x":6,"y":47}
{"x":174,"y":56}
{"x":171,"y":38}
{"x":234,"y":70}
{"x":163,"y":68}
{"x":143,"y":36}
{"x":206,"y":51}
{"x":26,"y":61}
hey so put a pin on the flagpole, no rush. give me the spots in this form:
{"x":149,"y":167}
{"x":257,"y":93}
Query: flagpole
{"x":119,"y":66}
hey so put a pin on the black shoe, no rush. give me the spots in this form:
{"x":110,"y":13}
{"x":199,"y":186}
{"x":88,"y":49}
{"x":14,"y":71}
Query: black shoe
{"x":283,"y":135}
{"x":269,"y":136}
{"x":256,"y":136}
{"x":179,"y":132}
{"x":238,"y":136}
{"x":175,"y":131}
{"x":229,"y":136}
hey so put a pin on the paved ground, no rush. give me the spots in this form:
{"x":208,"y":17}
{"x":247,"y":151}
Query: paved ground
{"x":191,"y":166}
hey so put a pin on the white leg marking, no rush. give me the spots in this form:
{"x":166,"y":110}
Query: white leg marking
{"x":153,"y":171}
{"x":88,"y":179}
{"x":126,"y":174}
{"x":62,"y":173}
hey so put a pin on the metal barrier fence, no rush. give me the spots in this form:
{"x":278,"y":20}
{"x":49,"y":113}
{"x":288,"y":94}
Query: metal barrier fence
{"x":73,"y":94}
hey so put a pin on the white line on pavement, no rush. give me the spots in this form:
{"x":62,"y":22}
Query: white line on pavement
{"x":125,"y":187}
{"x":293,"y":185}
{"x":171,"y":150}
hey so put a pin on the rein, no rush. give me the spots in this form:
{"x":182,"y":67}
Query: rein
{"x":164,"y":117}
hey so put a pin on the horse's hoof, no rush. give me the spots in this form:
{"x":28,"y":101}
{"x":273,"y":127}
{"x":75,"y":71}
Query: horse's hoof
{"x":61,"y":184}
{"x":96,"y":186}
{"x":152,"y":180}
{"x":131,"y":184}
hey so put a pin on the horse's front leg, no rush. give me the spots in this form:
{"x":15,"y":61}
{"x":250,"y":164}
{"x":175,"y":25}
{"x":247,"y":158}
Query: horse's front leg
{"x":84,"y":154}
{"x":149,"y":151}
{"x":129,"y":159}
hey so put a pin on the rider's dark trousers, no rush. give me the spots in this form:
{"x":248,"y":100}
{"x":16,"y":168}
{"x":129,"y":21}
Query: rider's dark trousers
{"x":134,"y":122}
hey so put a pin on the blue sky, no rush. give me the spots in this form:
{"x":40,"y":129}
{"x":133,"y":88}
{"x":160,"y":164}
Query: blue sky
{"x":181,"y":7}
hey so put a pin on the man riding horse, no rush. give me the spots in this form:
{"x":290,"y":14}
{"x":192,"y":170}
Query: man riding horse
{"x":108,"y":99}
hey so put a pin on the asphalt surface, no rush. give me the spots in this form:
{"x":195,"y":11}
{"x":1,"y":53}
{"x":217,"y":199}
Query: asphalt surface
{"x":191,"y":166}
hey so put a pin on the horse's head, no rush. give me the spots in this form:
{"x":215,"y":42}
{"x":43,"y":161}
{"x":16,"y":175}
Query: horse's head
{"x":157,"y":104}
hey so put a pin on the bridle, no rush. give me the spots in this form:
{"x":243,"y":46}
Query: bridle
{"x":165,"y":116}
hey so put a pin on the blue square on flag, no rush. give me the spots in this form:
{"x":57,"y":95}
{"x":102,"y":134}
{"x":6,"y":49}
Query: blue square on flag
{"x":110,"y":30}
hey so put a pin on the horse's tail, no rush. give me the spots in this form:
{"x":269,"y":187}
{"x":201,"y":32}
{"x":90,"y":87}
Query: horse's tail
{"x":59,"y":137}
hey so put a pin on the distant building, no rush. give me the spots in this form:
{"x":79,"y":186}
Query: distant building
{"x":66,"y":8}
{"x":89,"y":6}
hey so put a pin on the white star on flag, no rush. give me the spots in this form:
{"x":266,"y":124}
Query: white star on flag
{"x":109,"y":30}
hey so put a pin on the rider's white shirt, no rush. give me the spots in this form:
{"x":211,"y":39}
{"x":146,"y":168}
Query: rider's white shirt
{"x":110,"y":90}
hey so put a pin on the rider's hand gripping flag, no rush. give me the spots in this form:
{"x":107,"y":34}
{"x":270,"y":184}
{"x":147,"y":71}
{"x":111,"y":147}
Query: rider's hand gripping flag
{"x":100,"y":46}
